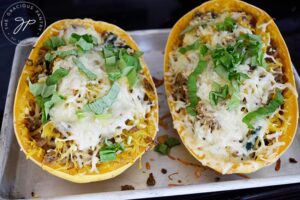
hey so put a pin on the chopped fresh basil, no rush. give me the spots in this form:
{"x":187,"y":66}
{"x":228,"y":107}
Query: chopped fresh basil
{"x":218,"y":93}
{"x":226,"y":59}
{"x":228,"y":25}
{"x":36,"y":88}
{"x":49,"y":57}
{"x":48,"y":104}
{"x":172,"y":142}
{"x":164,"y":148}
{"x":193,"y":46}
{"x":188,"y":29}
{"x":42,"y":89}
{"x":109,"y":151}
{"x":132,"y":77}
{"x":119,"y":63}
{"x":265,"y":111}
{"x":84,"y":42}
{"x":235,"y":96}
{"x":54,"y":42}
{"x":203,"y":49}
{"x":56,"y":76}
{"x":84,"y":45}
{"x":89,"y":74}
{"x":250,"y":46}
{"x":63,"y":54}
{"x":192,"y":86}
{"x":110,"y":60}
{"x":101,"y":105}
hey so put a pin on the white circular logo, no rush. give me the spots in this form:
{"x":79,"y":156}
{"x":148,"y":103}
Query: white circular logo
{"x":22,"y":20}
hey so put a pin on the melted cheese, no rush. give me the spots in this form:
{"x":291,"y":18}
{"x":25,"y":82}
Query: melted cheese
{"x":229,"y":135}
{"x":88,"y":132}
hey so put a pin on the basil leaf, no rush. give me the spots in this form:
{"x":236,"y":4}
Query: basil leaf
{"x":84,"y":45}
{"x":132,"y":78}
{"x":84,"y":42}
{"x":264,"y":111}
{"x":190,"y":47}
{"x":107,"y":155}
{"x":252,"y":46}
{"x":90,"y":39}
{"x":108,"y":52}
{"x":162,"y":149}
{"x":109,"y":151}
{"x":89,"y":74}
{"x":54,"y":42}
{"x":56,"y":76}
{"x":172,"y":141}
{"x":126,"y":70}
{"x":36,"y":88}
{"x":110,"y":60}
{"x":228,"y":25}
{"x":63,"y":54}
{"x":74,"y":38}
{"x":192,"y":86}
{"x":49,"y":57}
{"x":235,"y":96}
{"x":189,"y":29}
{"x":101,"y":105}
{"x":48,"y":90}
{"x":42,"y":89}
{"x":48,"y":105}
{"x":131,"y":61}
{"x":219,"y":93}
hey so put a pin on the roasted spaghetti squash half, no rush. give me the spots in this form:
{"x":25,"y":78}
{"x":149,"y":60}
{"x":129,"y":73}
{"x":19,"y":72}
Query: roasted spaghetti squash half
{"x":86,"y":107}
{"x":230,"y":86}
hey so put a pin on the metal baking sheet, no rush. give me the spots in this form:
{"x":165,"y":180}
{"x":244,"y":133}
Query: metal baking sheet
{"x":21,"y":178}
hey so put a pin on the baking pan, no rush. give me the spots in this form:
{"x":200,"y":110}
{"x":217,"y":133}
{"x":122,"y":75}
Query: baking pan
{"x":21,"y":178}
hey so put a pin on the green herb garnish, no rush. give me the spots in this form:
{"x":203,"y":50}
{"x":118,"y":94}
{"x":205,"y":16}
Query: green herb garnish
{"x":228,"y":25}
{"x":218,"y":93}
{"x":164,"y":148}
{"x":84,"y":42}
{"x":101,"y":105}
{"x":88,"y":73}
{"x":192,"y":87}
{"x":109,"y":151}
{"x":56,"y":76}
{"x":120,"y":63}
{"x":54,"y":42}
{"x":267,"y":110}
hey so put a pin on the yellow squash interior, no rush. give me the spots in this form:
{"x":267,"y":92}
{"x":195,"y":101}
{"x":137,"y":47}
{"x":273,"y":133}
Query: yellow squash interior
{"x":142,"y":139}
{"x":291,"y":103}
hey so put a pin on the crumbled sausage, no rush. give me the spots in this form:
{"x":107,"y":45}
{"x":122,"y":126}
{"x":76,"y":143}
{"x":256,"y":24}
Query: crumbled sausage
{"x":151,"y":181}
{"x":158,"y":82}
{"x":49,"y":157}
{"x":148,"y":85}
{"x":32,"y":123}
{"x":179,"y":87}
{"x":205,"y":118}
{"x":292,"y":160}
{"x":127,"y":187}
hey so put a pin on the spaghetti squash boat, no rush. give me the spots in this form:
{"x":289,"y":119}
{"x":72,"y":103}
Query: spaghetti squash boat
{"x":230,"y":86}
{"x":86,"y":107}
